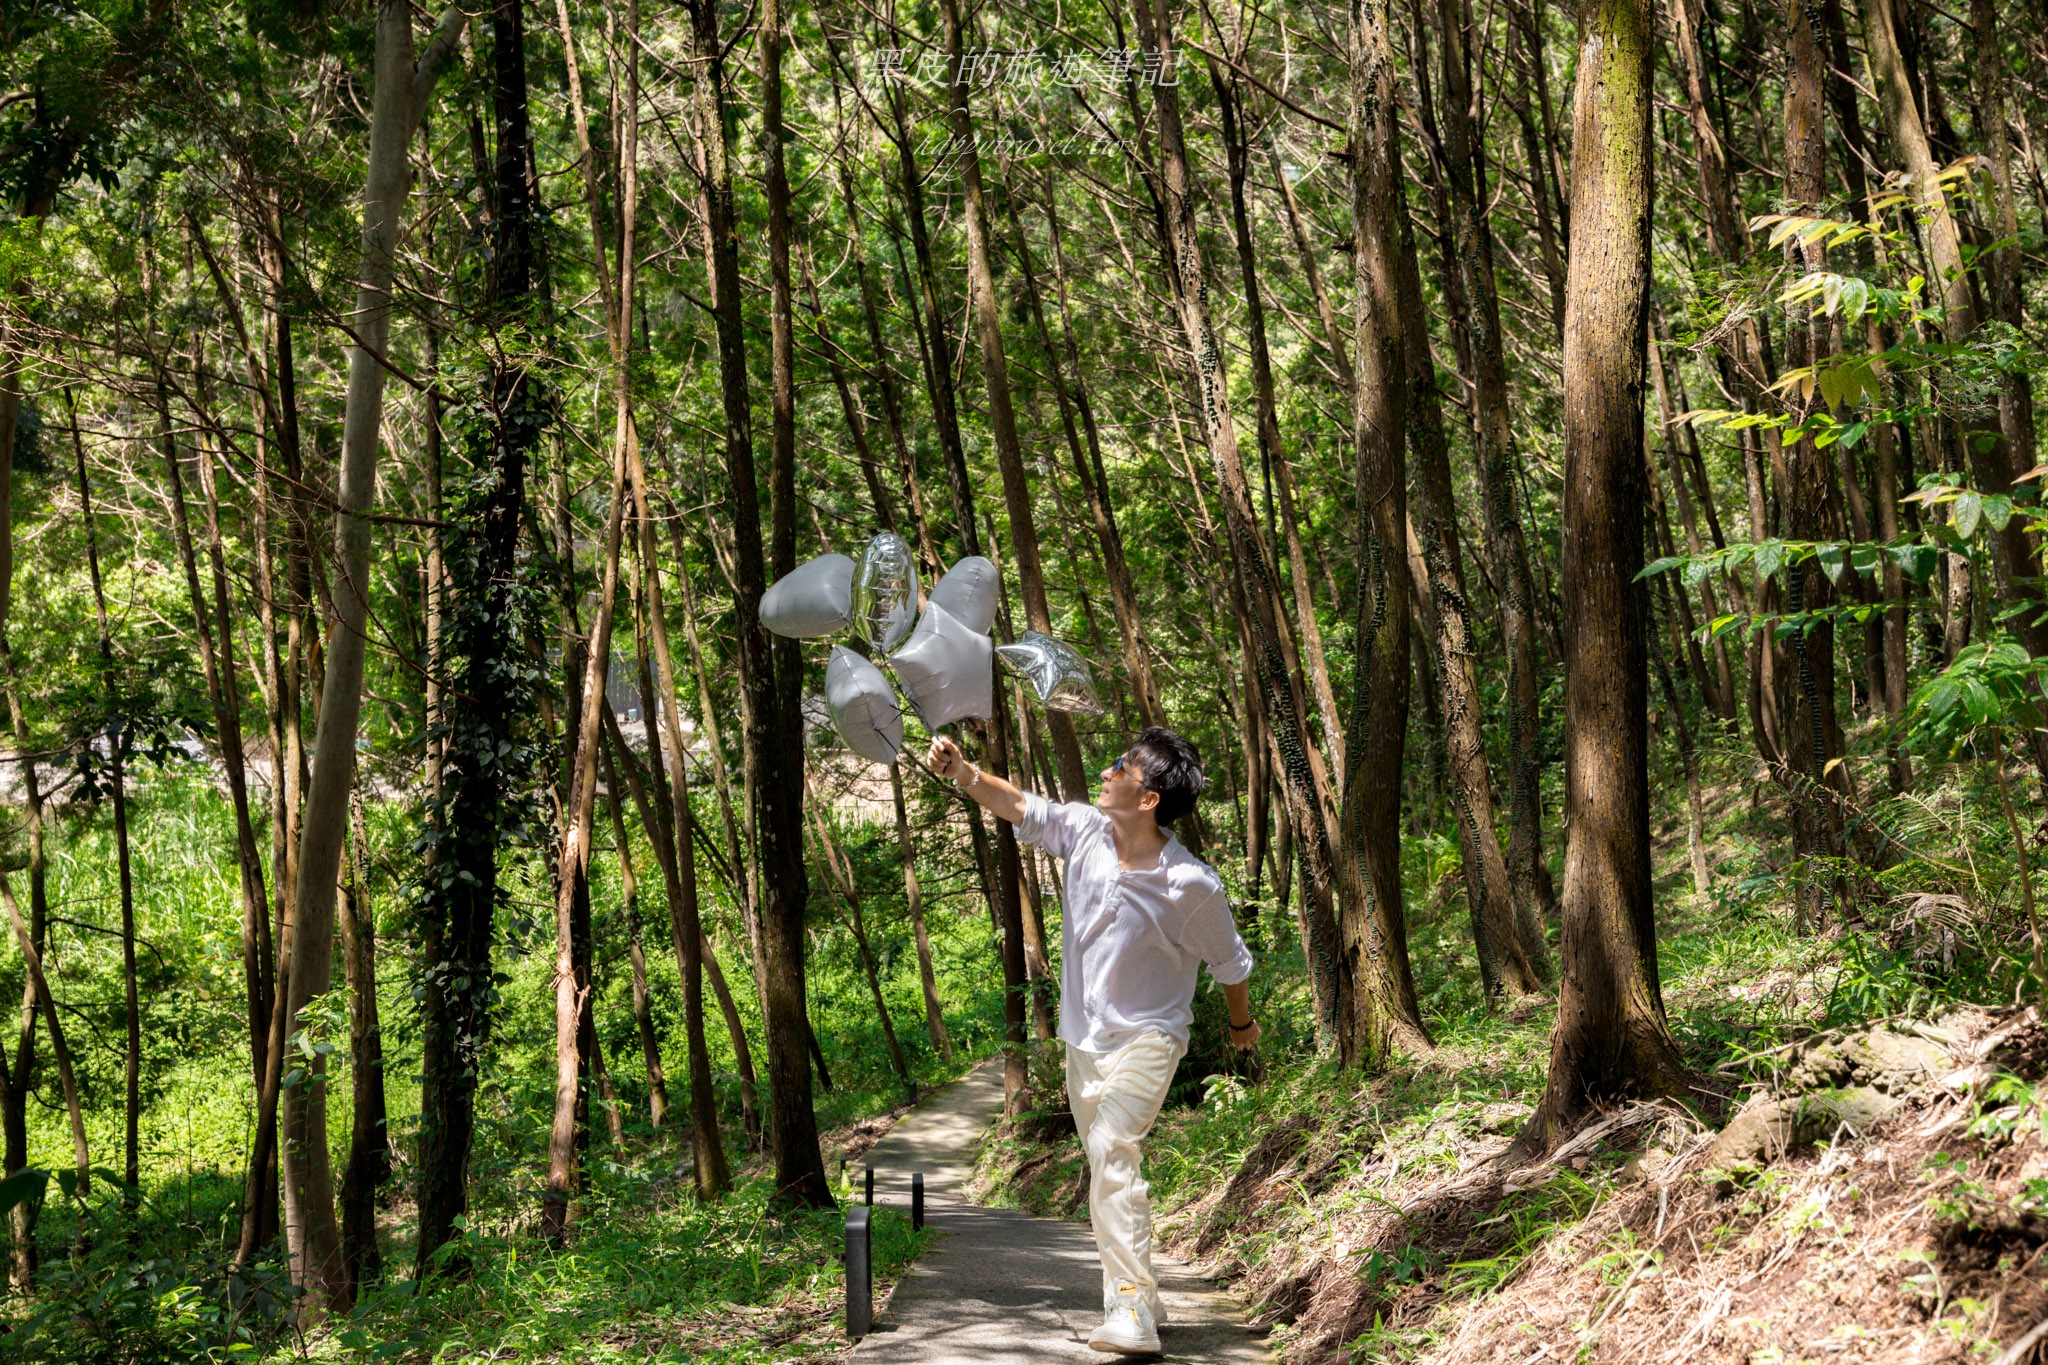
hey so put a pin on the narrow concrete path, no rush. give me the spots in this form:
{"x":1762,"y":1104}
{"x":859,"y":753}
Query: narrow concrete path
{"x":1002,"y":1287}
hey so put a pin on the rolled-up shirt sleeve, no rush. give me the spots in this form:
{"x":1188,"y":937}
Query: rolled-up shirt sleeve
{"x":1212,"y":935}
{"x":1052,"y":826}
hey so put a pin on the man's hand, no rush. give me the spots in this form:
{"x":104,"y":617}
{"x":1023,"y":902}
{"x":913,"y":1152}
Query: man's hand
{"x":993,"y":793}
{"x":945,"y":759}
{"x":1245,"y":1039}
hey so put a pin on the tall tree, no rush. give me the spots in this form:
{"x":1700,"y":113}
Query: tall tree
{"x":487,"y":677}
{"x":398,"y":99}
{"x":771,"y":728}
{"x":1383,"y":1014}
{"x":1307,"y":789}
{"x":1611,"y":1037}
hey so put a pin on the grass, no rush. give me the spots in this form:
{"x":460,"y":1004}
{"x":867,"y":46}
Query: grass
{"x":650,"y":1273}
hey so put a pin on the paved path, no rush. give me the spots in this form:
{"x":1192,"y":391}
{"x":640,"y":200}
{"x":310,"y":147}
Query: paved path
{"x":1002,"y":1287}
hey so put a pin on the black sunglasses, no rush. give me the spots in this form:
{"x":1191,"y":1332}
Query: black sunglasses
{"x":1118,"y":767}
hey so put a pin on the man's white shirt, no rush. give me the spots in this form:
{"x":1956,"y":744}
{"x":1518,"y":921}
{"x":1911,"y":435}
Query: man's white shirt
{"x":1131,"y":941}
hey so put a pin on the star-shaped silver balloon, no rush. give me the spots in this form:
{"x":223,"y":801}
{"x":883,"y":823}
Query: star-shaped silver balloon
{"x":1055,"y":669}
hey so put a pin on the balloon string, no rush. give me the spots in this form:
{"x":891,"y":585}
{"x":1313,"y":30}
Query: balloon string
{"x":947,"y":790}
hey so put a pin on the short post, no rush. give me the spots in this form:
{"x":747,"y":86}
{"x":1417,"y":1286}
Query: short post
{"x":859,"y":1301}
{"x":870,"y":1182}
{"x":917,"y":1200}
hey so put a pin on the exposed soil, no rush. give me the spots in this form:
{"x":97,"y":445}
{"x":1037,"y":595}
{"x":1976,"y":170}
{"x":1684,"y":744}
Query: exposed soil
{"x":1917,"y":1240}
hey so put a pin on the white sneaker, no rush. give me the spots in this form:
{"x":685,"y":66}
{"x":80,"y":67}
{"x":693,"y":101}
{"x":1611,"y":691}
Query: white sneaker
{"x":1158,"y":1306}
{"x":1127,"y":1325}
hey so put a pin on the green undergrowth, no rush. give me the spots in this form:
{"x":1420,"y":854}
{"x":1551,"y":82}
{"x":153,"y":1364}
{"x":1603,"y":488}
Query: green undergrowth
{"x":651,"y":1275}
{"x":1285,"y":1174}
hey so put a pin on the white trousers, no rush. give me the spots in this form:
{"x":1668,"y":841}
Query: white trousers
{"x":1115,"y":1096}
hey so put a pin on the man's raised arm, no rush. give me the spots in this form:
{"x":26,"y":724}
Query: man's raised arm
{"x":996,"y":796}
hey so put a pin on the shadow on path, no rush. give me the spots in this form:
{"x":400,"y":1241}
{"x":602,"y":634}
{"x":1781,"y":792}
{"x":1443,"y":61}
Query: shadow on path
{"x":1002,"y":1286}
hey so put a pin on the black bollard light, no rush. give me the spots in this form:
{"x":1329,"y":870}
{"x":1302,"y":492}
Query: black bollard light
{"x":859,"y":1305}
{"x":917,"y":1200}
{"x":870,"y":1182}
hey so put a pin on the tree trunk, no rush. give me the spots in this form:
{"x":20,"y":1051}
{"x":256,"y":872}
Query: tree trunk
{"x":773,"y":731}
{"x":1943,"y":239}
{"x":1611,"y":1037}
{"x":572,"y":982}
{"x":14,"y":1121}
{"x":115,"y":732}
{"x":1088,"y":469}
{"x":643,"y":1016}
{"x":217,"y":663}
{"x":841,"y":872}
{"x":1496,"y":458}
{"x":1505,"y":961}
{"x":1307,"y":794}
{"x":399,"y":100}
{"x":1002,"y":417}
{"x":369,"y":1144}
{"x":67,"y":1079}
{"x":1271,"y":450}
{"x":934,"y":1017}
{"x":484,"y":631}
{"x":1814,"y":742}
{"x":1384,"y":1016}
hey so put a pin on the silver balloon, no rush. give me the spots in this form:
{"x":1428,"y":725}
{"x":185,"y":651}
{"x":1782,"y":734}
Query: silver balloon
{"x":1055,"y":670}
{"x":946,"y":669}
{"x":815,"y":598}
{"x":863,"y":706}
{"x":968,"y":590}
{"x":885,"y":592}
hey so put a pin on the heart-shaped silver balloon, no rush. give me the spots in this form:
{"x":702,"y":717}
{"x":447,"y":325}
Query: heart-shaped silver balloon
{"x":968,"y":590}
{"x":863,"y":706}
{"x":945,"y":669}
{"x":885,"y":592}
{"x":1055,"y":670}
{"x":815,"y":598}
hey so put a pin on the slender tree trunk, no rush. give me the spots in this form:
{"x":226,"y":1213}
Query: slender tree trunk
{"x":1506,"y":961}
{"x":67,"y":1078}
{"x":1069,"y":377}
{"x":1611,"y":1036}
{"x":217,"y":663}
{"x":398,"y":101}
{"x":14,"y":1120}
{"x":673,"y":827}
{"x":773,"y":732}
{"x":1384,"y":1015}
{"x":1497,"y":459}
{"x":369,"y":1145}
{"x":643,"y":1016}
{"x":1814,"y":744}
{"x":1307,"y":794}
{"x":1002,"y":418}
{"x":1271,"y":449}
{"x":1896,"y":100}
{"x":935,"y":347}
{"x":116,"y":736}
{"x":483,"y":626}
{"x":841,"y":872}
{"x":934,"y":1016}
{"x":572,"y":983}
{"x":1722,"y":696}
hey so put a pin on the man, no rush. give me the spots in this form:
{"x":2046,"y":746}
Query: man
{"x":1141,"y":913}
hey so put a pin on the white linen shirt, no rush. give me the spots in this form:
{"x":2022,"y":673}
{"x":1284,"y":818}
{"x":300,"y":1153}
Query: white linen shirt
{"x":1131,"y":941}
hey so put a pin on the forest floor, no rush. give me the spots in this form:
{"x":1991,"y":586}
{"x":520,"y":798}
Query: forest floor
{"x":1381,"y":1223}
{"x":1378,"y":1220}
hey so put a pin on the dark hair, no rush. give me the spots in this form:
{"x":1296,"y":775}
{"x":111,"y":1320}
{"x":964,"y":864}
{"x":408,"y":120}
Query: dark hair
{"x":1168,"y":765}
